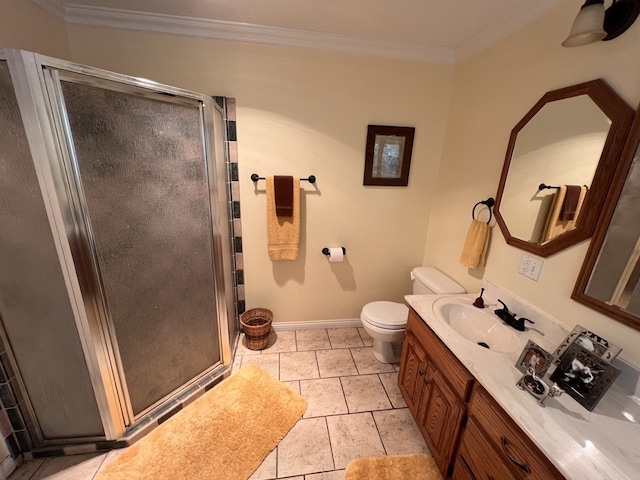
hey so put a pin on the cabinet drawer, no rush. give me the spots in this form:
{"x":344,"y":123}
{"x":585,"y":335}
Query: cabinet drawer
{"x":456,"y":374}
{"x":509,"y":441}
{"x":479,"y":457}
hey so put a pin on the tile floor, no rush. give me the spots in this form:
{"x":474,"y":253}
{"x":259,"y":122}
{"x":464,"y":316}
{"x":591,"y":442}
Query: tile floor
{"x":354,"y":410}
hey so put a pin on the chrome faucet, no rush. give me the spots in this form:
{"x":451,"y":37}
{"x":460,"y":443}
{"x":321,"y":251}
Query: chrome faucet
{"x":510,"y":318}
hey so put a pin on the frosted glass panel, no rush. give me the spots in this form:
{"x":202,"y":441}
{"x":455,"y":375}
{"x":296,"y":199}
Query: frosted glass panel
{"x":143,"y":174}
{"x":34,"y":304}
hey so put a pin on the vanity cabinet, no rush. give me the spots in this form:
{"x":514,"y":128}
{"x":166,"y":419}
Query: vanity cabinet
{"x":469,"y":435}
{"x":436,"y":387}
{"x":493,"y":446}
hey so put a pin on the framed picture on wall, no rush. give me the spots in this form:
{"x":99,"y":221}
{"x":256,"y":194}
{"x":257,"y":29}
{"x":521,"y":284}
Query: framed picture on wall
{"x":388,"y":155}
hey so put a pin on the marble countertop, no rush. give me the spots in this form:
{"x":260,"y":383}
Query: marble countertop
{"x":603,"y":444}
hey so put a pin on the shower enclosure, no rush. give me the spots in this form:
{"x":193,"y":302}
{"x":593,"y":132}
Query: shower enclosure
{"x":116,"y":292}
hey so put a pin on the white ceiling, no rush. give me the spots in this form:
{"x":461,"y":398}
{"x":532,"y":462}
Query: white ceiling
{"x":430,"y":30}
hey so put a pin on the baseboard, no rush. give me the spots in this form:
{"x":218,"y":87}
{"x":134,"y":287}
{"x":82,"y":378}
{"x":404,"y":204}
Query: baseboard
{"x":317,"y":324}
{"x":7,"y":467}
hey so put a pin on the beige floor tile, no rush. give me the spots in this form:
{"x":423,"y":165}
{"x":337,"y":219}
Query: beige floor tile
{"x":73,"y":467}
{"x":335,"y":475}
{"x":267,"y":470}
{"x":293,"y":385}
{"x":111,"y":456}
{"x":344,"y":337}
{"x":305,"y":449}
{"x":353,"y":436}
{"x":27,"y":469}
{"x":237,"y":363}
{"x":365,"y":393}
{"x":366,"y":339}
{"x":390,"y":384}
{"x":367,"y":363}
{"x":336,"y":363}
{"x":298,"y":366}
{"x":242,"y":347}
{"x":324,"y":397}
{"x":399,"y":432}
{"x":312,"y":340}
{"x":269,"y":362}
{"x":281,"y":342}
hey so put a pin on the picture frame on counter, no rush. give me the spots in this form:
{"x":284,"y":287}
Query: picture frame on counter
{"x":535,"y":357}
{"x":584,"y":376}
{"x":590,"y":342}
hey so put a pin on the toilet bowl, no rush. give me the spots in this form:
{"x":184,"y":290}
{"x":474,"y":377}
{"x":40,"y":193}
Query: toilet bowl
{"x":386,"y":322}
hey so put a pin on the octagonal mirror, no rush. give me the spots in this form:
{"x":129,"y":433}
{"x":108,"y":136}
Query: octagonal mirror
{"x":560,"y":161}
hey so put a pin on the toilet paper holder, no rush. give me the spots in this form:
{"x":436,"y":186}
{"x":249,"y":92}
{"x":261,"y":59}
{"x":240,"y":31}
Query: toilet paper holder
{"x":325,"y":251}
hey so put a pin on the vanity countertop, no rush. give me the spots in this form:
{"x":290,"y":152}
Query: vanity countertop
{"x":600,"y":445}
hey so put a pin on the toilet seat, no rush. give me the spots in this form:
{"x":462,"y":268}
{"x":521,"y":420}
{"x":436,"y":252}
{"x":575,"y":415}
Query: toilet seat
{"x":386,"y":315}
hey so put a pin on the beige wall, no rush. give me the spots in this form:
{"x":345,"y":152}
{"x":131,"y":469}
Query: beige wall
{"x":492,"y":92}
{"x":302,"y":112}
{"x":27,"y":27}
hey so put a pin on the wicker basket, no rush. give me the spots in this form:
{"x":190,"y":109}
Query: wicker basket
{"x":256,"y":324}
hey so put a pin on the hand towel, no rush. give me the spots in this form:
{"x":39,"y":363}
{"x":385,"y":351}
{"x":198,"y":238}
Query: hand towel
{"x":283,"y":186}
{"x":569,"y":207}
{"x":555,"y":225}
{"x":474,"y":252}
{"x":283,"y":233}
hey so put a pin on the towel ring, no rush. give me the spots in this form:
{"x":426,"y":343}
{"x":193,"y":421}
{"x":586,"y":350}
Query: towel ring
{"x":489,"y":203}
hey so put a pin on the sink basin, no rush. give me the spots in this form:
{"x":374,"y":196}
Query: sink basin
{"x":480,"y":327}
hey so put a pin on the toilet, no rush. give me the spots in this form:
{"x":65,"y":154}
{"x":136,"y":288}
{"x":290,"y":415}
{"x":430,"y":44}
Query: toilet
{"x":386,"y":322}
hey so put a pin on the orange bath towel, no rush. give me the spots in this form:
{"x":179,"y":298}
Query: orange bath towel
{"x":283,"y":233}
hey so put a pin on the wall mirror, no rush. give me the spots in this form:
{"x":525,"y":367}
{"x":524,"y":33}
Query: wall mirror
{"x":560,"y":161}
{"x":609,"y":280}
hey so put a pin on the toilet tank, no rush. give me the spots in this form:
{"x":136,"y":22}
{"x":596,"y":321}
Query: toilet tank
{"x":430,"y":281}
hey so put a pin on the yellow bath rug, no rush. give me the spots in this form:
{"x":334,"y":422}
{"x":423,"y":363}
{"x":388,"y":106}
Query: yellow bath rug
{"x":225,"y":434}
{"x":417,"y":466}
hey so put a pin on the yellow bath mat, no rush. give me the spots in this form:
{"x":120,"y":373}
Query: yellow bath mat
{"x":225,"y":434}
{"x":417,"y":466}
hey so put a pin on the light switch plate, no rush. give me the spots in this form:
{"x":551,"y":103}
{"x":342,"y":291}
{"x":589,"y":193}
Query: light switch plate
{"x":531,"y":267}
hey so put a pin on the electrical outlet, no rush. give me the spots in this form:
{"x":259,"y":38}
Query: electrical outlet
{"x":530,"y":267}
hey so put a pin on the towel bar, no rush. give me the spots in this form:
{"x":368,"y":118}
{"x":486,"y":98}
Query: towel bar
{"x":311,"y":178}
{"x":489,"y":203}
{"x":543,"y":186}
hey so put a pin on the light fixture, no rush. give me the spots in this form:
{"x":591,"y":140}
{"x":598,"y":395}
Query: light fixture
{"x":593,"y":23}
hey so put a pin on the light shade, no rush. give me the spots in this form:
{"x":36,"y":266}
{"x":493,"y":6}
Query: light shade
{"x":588,"y":25}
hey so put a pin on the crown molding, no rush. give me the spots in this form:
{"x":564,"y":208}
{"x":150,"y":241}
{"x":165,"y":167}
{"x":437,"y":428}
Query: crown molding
{"x":501,"y":29}
{"x":88,"y":16}
{"x":54,"y":7}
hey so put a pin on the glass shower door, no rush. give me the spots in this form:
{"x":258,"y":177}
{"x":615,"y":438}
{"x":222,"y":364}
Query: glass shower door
{"x":139,"y":181}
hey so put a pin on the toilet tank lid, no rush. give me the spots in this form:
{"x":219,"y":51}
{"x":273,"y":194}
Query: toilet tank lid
{"x":436,"y":281}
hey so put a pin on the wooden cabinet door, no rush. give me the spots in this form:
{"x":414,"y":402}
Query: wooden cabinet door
{"x":440,"y":418}
{"x":478,"y":458}
{"x":412,"y":372}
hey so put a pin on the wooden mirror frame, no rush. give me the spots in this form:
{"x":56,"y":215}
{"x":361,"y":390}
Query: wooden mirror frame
{"x":621,"y":116}
{"x":630,"y":152}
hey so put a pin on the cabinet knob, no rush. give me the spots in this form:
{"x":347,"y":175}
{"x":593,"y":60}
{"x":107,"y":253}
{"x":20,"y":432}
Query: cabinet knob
{"x":421,"y":373}
{"x":521,"y":466}
{"x":426,"y":382}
